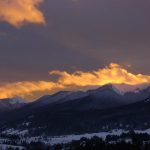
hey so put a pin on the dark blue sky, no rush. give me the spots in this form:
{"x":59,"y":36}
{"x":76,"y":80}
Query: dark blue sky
{"x":78,"y":35}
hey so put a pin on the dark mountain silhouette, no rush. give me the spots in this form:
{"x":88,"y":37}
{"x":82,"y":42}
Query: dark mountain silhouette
{"x":11,"y":104}
{"x":96,"y":110}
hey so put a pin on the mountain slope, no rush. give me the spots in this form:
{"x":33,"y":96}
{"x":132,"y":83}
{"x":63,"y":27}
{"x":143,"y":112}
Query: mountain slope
{"x":11,"y":104}
{"x":58,"y":97}
{"x":100,"y":109}
{"x":132,"y":116}
{"x":103,"y":97}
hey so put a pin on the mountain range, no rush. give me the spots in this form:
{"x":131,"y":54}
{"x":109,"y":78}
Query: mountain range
{"x":68,"y":112}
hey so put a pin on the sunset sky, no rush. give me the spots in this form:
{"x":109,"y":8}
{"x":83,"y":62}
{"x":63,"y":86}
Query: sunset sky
{"x":81,"y":42}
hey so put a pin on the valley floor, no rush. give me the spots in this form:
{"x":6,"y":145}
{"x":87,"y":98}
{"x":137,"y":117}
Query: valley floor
{"x":15,"y":139}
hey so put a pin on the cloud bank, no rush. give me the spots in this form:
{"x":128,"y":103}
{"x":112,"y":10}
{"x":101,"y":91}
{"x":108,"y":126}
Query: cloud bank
{"x":113,"y":73}
{"x":18,"y":12}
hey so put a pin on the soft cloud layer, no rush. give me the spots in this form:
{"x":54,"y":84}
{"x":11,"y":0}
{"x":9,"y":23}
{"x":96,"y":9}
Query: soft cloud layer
{"x":18,"y":12}
{"x":114,"y":73}
{"x":26,"y":88}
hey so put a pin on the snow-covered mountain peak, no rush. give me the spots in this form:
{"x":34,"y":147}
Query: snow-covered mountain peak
{"x":16,"y":100}
{"x":121,"y":89}
{"x":117,"y":90}
{"x":124,"y":88}
{"x":107,"y":87}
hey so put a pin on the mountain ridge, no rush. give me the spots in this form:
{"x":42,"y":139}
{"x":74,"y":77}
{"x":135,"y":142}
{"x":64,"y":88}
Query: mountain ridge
{"x":98,"y":110}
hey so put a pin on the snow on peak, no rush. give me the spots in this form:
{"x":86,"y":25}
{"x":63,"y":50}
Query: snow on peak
{"x":109,"y":87}
{"x":124,"y":88}
{"x":121,"y":89}
{"x":117,"y":90}
{"x":16,"y":100}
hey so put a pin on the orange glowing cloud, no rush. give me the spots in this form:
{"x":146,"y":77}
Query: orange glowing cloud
{"x":114,"y":74}
{"x":18,"y":12}
{"x":26,"y":88}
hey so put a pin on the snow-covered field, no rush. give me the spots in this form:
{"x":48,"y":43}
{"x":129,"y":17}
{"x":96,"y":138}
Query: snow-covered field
{"x":6,"y":147}
{"x":66,"y":138}
{"x":59,"y":139}
{"x":69,"y":138}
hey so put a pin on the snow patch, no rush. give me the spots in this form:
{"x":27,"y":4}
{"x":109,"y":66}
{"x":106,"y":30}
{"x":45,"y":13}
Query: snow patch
{"x":6,"y":147}
{"x":16,"y":100}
